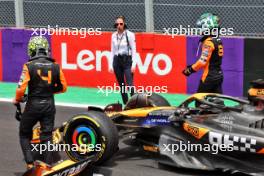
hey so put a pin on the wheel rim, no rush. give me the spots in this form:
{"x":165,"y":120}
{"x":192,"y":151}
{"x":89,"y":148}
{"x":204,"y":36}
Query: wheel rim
{"x":84,"y":135}
{"x":81,"y":133}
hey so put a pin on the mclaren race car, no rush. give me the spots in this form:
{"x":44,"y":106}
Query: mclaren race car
{"x":207,"y":131}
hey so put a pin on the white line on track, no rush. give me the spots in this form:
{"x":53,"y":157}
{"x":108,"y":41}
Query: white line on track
{"x":76,"y":105}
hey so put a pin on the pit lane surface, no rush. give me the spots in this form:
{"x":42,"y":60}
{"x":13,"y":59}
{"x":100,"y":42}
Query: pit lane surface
{"x":127,"y":161}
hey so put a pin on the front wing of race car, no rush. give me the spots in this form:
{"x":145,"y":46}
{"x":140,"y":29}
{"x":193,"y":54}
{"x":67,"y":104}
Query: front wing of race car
{"x":65,"y":168}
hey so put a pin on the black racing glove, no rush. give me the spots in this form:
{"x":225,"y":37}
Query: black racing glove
{"x":18,"y":112}
{"x":188,"y":71}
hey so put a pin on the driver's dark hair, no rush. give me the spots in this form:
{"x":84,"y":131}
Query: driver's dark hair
{"x":121,"y":17}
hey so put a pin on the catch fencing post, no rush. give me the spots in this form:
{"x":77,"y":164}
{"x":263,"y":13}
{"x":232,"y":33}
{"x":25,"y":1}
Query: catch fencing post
{"x":149,"y":18}
{"x":19,"y":11}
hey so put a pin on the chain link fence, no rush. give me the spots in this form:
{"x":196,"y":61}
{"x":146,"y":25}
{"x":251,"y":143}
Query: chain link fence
{"x":81,"y":13}
{"x":7,"y":13}
{"x":244,"y":16}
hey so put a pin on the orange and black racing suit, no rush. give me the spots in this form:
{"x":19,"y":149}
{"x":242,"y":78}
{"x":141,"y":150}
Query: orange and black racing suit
{"x":43,"y":77}
{"x":210,"y":61}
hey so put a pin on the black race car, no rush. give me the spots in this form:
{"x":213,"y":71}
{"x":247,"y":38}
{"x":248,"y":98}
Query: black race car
{"x":207,"y":131}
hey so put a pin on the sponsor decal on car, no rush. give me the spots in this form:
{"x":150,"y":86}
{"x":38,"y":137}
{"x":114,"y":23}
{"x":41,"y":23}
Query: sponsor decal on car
{"x":197,"y":132}
{"x":71,"y":170}
{"x":243,"y":144}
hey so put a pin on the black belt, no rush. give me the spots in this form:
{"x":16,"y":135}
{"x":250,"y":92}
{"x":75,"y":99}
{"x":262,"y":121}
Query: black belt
{"x":122,"y":55}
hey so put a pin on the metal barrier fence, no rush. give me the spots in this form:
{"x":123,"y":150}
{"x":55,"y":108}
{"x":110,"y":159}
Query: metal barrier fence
{"x":7,"y":13}
{"x":244,"y":16}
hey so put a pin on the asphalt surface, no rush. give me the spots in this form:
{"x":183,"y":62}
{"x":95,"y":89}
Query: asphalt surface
{"x":127,"y":161}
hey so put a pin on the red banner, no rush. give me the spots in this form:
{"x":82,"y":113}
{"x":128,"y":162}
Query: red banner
{"x":85,"y":61}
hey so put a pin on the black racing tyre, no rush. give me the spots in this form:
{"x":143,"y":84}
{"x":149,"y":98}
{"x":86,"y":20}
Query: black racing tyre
{"x":145,"y":100}
{"x":93,"y":134}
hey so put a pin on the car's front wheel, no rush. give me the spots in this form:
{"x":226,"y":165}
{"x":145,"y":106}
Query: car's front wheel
{"x":91,"y":134}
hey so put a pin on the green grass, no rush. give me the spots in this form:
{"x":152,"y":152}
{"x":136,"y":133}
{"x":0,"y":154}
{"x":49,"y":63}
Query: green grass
{"x":80,"y":95}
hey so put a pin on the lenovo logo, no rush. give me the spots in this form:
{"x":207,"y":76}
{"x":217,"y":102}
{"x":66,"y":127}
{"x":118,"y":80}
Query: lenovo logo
{"x":160,"y":64}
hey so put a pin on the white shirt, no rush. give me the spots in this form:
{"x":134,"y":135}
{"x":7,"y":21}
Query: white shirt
{"x":119,"y":44}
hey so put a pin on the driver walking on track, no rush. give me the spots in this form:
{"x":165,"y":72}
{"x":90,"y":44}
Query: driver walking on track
{"x":43,"y":77}
{"x":211,"y":56}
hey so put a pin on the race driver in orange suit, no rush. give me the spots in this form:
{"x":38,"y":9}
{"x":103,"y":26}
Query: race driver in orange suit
{"x":44,"y":78}
{"x":210,"y":59}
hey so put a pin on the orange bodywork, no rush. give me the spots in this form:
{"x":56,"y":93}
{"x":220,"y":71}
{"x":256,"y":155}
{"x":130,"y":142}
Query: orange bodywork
{"x":261,"y":151}
{"x":197,"y":132}
{"x":140,"y":112}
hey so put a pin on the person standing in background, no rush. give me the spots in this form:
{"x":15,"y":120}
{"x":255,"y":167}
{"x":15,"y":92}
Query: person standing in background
{"x":123,"y":51}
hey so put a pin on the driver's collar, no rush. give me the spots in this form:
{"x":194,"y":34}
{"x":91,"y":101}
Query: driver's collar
{"x":42,"y":56}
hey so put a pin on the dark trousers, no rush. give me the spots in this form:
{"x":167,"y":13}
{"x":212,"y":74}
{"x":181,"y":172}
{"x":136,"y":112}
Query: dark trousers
{"x":122,"y":67}
{"x":210,"y":86}
{"x":42,"y":111}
